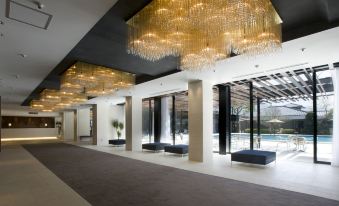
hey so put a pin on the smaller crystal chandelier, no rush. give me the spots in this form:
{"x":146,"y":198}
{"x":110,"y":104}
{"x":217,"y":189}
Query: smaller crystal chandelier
{"x":201,"y":32}
{"x":79,"y":82}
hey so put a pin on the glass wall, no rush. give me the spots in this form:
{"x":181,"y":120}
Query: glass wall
{"x":166,"y":119}
{"x":286,"y":115}
{"x":256,"y":137}
{"x":147,"y":120}
{"x":240,"y":119}
{"x":181,"y":121}
{"x":285,"y":123}
{"x":215,"y":119}
{"x":325,"y":102}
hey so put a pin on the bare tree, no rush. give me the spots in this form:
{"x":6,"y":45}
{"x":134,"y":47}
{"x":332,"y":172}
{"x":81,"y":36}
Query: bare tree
{"x":237,"y":107}
{"x":325,"y":105}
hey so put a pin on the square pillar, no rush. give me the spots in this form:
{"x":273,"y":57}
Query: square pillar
{"x":157,"y":119}
{"x":200,"y":120}
{"x":69,"y":126}
{"x":102,"y":123}
{"x":133,"y":111}
{"x":251,"y":116}
{"x":83,"y":122}
{"x":94,"y":125}
{"x":224,"y":125}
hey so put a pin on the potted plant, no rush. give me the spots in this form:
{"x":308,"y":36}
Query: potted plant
{"x":118,"y":126}
{"x":58,"y":125}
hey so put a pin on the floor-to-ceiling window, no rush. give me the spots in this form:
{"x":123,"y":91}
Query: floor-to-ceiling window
{"x":166,"y":119}
{"x":292,"y":114}
{"x":325,"y":102}
{"x":147,"y":120}
{"x":240,"y":119}
{"x":215,"y":119}
{"x":181,"y":118}
{"x":174,"y":119}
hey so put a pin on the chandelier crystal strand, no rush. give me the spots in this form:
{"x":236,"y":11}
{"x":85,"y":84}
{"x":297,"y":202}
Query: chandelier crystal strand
{"x":81,"y":81}
{"x":202,"y":32}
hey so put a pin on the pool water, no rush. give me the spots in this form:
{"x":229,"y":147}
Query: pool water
{"x":309,"y":138}
{"x":271,"y":137}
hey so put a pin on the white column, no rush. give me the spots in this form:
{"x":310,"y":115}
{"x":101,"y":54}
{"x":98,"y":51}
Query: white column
{"x":200,"y":120}
{"x":335,"y":144}
{"x":102,"y":125}
{"x":133,"y":111}
{"x":83,"y":121}
{"x":68,"y":126}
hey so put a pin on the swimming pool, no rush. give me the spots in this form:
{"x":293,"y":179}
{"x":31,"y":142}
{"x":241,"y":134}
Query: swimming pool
{"x":309,"y":138}
{"x":271,"y":137}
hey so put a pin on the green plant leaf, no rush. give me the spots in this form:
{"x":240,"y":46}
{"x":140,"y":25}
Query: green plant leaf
{"x":121,"y":126}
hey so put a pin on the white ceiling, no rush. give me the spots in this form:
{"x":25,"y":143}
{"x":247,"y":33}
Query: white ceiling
{"x":72,"y":19}
{"x":320,"y":48}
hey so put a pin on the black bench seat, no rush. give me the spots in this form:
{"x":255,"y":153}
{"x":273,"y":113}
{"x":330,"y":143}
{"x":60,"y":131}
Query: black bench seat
{"x":177,"y":149}
{"x":117,"y":142}
{"x":156,"y":146}
{"x":254,"y":157}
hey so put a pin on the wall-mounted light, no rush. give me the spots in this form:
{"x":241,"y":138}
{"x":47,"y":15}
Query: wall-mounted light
{"x":27,"y":139}
{"x":9,"y":124}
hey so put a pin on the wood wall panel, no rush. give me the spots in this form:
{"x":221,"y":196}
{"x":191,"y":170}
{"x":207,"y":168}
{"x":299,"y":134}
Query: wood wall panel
{"x":9,"y":122}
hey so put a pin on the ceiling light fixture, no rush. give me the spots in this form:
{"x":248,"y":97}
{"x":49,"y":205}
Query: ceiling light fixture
{"x":39,"y":4}
{"x":202,"y":32}
{"x":23,"y":55}
{"x":79,"y":82}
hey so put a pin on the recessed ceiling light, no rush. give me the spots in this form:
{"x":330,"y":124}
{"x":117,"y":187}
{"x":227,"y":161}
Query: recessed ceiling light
{"x":39,"y":4}
{"x":23,"y":55}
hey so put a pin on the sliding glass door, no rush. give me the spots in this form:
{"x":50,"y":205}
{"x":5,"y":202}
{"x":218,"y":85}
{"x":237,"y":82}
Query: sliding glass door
{"x":324,"y":120}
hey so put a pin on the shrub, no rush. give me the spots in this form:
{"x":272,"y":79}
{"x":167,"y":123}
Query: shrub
{"x":268,"y":131}
{"x":287,"y":131}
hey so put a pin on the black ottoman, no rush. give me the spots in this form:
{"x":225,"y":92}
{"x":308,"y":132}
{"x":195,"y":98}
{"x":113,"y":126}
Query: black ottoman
{"x":156,"y":146}
{"x":177,"y":149}
{"x":254,"y":157}
{"x":117,"y":142}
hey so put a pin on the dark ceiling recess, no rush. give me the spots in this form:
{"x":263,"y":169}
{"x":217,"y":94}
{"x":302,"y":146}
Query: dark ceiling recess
{"x":105,"y":44}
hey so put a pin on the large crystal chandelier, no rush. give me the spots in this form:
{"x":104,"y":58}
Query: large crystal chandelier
{"x":79,"y":82}
{"x":202,"y":32}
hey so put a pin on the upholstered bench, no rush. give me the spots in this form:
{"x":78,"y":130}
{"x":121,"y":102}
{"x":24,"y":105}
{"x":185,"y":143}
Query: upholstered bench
{"x":156,"y":146}
{"x":117,"y":142}
{"x":177,"y":149}
{"x":254,"y":157}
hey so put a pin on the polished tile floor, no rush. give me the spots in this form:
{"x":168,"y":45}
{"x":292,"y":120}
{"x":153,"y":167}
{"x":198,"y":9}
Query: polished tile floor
{"x":25,"y":181}
{"x":304,"y":177}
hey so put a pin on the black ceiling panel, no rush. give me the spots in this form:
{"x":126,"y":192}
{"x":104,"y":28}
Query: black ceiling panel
{"x":105,"y":44}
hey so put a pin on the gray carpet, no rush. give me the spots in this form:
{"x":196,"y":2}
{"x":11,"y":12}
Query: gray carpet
{"x":106,"y":179}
